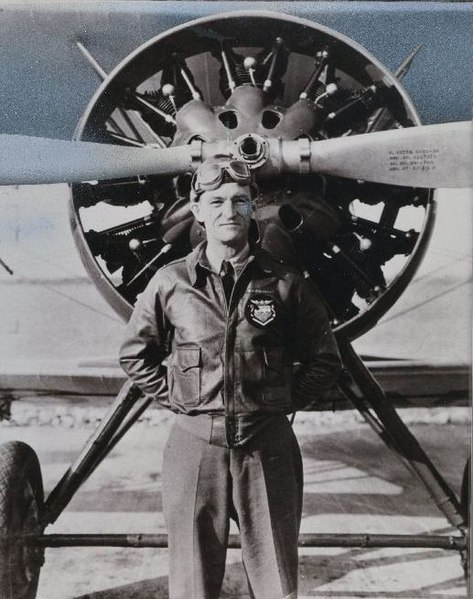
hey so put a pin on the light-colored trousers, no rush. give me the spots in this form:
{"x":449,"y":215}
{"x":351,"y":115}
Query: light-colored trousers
{"x":258,"y":485}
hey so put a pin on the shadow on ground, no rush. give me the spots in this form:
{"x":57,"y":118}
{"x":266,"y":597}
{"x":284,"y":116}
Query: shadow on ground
{"x":316,"y":572}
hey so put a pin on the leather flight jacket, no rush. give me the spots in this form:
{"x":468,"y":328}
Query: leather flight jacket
{"x":269,"y":351}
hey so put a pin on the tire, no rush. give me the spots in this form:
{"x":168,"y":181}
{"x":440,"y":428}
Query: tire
{"x":465,"y":493}
{"x":21,"y":504}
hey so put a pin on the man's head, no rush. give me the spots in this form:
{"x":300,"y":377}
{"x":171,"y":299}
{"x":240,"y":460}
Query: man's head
{"x":222,"y":200}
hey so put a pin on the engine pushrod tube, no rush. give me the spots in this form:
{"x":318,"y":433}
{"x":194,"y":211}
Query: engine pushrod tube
{"x":139,"y":540}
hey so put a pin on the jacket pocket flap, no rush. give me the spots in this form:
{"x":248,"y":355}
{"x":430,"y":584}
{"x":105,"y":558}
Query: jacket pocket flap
{"x":188,"y":357}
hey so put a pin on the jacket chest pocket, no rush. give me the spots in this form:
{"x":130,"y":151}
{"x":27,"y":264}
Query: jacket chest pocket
{"x":185,"y":377}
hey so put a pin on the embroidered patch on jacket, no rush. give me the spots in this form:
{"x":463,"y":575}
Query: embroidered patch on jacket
{"x":260,"y":310}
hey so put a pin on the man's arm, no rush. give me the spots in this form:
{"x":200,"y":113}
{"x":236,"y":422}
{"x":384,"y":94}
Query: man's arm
{"x":144,"y":346}
{"x":316,"y":348}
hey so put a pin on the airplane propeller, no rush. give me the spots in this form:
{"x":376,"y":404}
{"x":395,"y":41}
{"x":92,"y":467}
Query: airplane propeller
{"x":38,"y":160}
{"x":427,"y":156}
{"x":162,"y":112}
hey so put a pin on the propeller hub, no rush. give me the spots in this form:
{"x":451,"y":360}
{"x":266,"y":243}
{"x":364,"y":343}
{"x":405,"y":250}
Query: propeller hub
{"x":252,"y":149}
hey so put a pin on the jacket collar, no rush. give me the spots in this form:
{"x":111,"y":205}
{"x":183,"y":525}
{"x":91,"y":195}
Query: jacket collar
{"x":196,"y":261}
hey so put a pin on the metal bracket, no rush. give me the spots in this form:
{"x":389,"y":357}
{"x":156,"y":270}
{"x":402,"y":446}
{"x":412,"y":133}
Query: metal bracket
{"x":196,"y":153}
{"x":304,"y":155}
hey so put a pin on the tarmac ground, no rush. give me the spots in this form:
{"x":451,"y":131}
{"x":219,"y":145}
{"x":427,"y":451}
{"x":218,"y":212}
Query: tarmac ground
{"x":352,"y":484}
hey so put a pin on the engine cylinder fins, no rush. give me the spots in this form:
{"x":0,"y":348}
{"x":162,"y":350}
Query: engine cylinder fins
{"x":247,"y":78}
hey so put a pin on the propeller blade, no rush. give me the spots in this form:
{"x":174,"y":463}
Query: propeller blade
{"x":36,"y":160}
{"x":425,"y":156}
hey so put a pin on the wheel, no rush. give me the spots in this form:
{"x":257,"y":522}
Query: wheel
{"x":465,"y":499}
{"x":21,"y":502}
{"x":276,"y":76}
{"x":465,"y":493}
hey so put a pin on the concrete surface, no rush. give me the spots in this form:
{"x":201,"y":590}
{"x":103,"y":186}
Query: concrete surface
{"x":352,"y":484}
{"x":50,"y":311}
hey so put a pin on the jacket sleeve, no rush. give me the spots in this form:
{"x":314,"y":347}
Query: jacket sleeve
{"x":316,"y":348}
{"x":145,"y":345}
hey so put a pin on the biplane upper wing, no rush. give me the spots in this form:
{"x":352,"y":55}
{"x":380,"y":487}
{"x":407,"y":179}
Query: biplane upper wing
{"x":47,"y":83}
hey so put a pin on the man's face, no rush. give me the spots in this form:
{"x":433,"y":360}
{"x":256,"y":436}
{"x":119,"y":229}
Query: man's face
{"x":226,"y":213}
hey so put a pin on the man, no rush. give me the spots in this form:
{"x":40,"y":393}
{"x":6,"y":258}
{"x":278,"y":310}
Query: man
{"x":232,"y":322}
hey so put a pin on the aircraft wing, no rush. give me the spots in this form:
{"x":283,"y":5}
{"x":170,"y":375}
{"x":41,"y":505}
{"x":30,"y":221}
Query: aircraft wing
{"x":406,"y":382}
{"x":47,"y":82}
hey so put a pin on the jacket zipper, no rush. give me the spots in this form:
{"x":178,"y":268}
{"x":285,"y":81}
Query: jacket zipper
{"x":229,"y":367}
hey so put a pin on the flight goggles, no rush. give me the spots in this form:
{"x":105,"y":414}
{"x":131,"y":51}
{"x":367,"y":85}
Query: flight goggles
{"x":210,"y":175}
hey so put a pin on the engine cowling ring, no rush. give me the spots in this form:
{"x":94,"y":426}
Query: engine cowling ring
{"x":115,"y":253}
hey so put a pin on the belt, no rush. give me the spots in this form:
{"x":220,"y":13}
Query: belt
{"x":209,"y":427}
